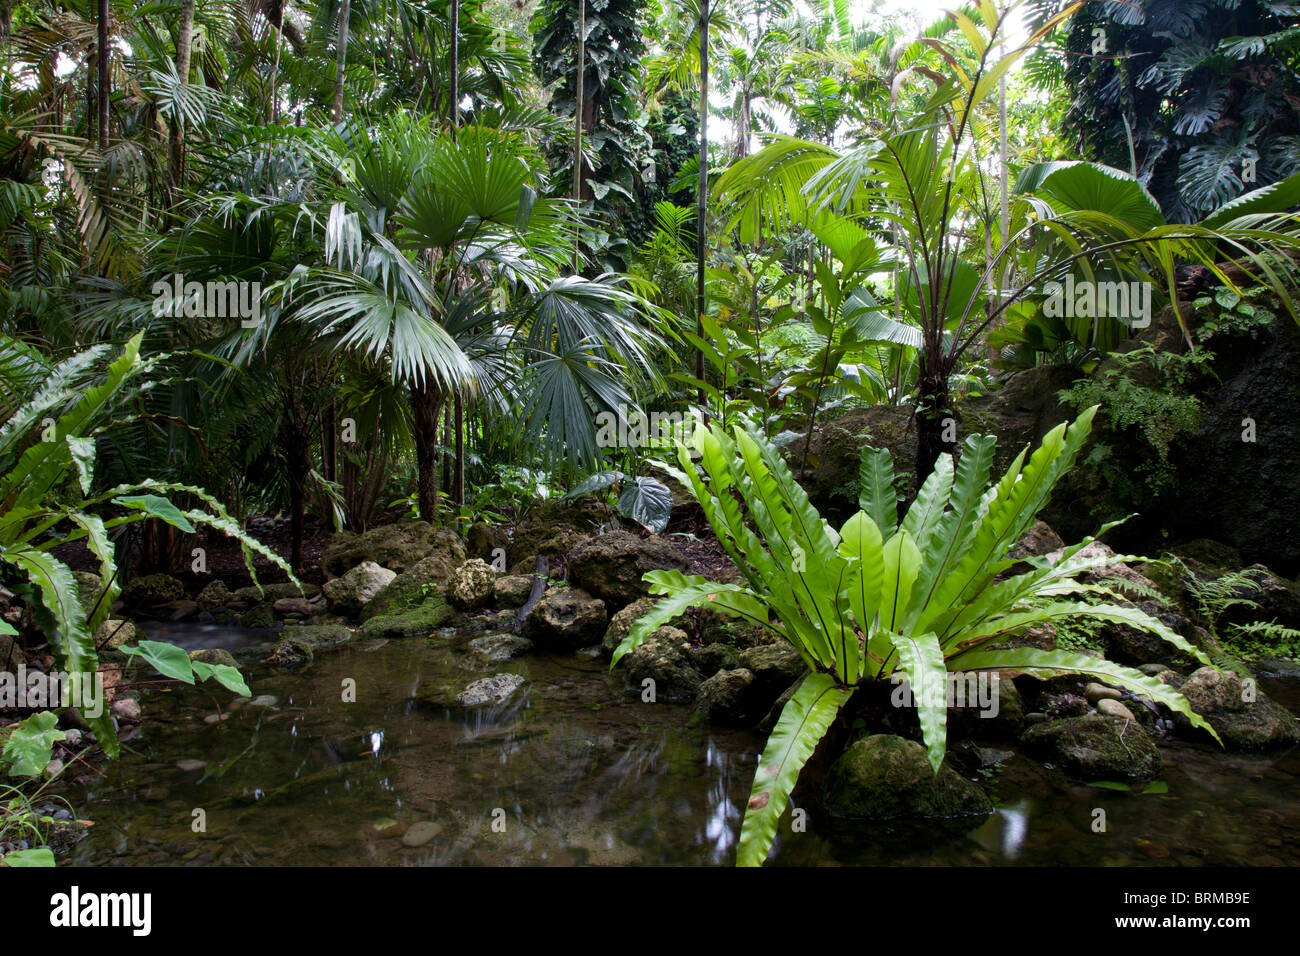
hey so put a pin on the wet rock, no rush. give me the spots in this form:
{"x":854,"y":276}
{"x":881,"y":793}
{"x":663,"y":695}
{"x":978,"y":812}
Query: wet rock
{"x":1095,"y":747}
{"x":471,"y":585}
{"x":291,"y":655}
{"x":350,"y":593}
{"x":1096,"y":692}
{"x":512,"y":590}
{"x":775,"y":666}
{"x":263,"y":700}
{"x":215,"y":656}
{"x":418,"y":834}
{"x":610,"y":566}
{"x":663,"y":658}
{"x":731,"y":698}
{"x":191,"y":766}
{"x":1244,"y":717}
{"x":114,"y":633}
{"x":987,"y":710}
{"x":500,"y":647}
{"x":1132,"y":645}
{"x":125,"y":708}
{"x":285,"y":606}
{"x":885,"y":777}
{"x":11,"y":654}
{"x":622,"y":622}
{"x":566,"y":619}
{"x":1113,"y":708}
{"x":418,"y":621}
{"x":395,"y":547}
{"x":489,"y":690}
{"x":151,"y":590}
{"x":319,"y":637}
{"x":214,"y":595}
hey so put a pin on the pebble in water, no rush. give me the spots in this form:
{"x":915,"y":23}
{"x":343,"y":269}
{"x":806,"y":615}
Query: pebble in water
{"x":418,"y":834}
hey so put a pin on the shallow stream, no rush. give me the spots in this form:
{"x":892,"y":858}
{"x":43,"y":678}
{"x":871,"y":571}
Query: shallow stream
{"x":575,"y":769}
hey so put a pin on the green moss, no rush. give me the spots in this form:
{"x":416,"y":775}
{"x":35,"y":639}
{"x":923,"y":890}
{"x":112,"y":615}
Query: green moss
{"x":418,"y":621}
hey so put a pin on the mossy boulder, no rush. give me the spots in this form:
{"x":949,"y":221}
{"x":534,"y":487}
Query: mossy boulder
{"x":567,"y":619}
{"x":663,"y":658}
{"x":622,"y":622}
{"x":499,"y":647}
{"x":731,"y":698}
{"x":151,"y":590}
{"x":426,"y":577}
{"x":350,"y":593}
{"x":1095,"y":747}
{"x":612,"y":565}
{"x":418,"y":621}
{"x":214,"y":656}
{"x":395,"y":547}
{"x":259,"y":616}
{"x":482,"y":541}
{"x":1244,"y":717}
{"x":885,"y":777}
{"x":552,"y":528}
{"x":215,"y":594}
{"x":471,"y":585}
{"x":320,"y":637}
{"x":512,"y":590}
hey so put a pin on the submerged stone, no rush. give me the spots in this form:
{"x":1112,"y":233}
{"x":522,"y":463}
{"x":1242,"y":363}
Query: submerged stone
{"x":885,"y":777}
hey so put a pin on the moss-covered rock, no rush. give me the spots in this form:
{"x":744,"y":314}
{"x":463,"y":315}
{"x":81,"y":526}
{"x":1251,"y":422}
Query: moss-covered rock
{"x":552,"y":528}
{"x":1095,"y":747}
{"x":214,"y":595}
{"x":427,"y":577}
{"x":114,"y":633}
{"x":885,"y":777}
{"x":731,"y":698}
{"x":291,"y":655}
{"x":396,"y":547}
{"x":259,"y":616}
{"x":320,"y":637}
{"x":1244,"y":717}
{"x":512,"y":590}
{"x":418,"y":621}
{"x":89,"y":588}
{"x":612,"y":565}
{"x":664,"y":658}
{"x":214,"y":656}
{"x":350,"y":593}
{"x":152,"y":589}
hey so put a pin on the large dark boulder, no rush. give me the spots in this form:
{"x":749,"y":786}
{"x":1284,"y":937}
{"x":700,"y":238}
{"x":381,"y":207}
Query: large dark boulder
{"x":884,"y":777}
{"x":611,"y":565}
{"x":566,"y":620}
{"x":830,"y":475}
{"x":1244,"y":717}
{"x":1095,"y":747}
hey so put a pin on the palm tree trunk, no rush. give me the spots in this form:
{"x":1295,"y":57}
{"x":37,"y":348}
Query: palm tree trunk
{"x":105,"y":88}
{"x":931,"y":419}
{"x":703,"y":191}
{"x":176,"y":132}
{"x":344,"y":14}
{"x":453,"y":108}
{"x":426,"y":404}
{"x":458,"y":476}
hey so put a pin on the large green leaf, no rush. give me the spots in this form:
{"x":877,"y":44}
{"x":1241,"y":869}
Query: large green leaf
{"x":29,"y":748}
{"x":803,"y":722}
{"x":921,"y":659}
{"x":648,"y":502}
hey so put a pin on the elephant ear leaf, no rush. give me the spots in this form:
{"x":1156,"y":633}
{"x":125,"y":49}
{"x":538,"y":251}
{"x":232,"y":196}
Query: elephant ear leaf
{"x":803,"y":722}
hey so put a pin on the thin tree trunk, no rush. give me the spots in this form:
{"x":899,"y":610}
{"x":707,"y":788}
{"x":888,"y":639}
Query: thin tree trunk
{"x":344,"y":14}
{"x":580,"y":103}
{"x":105,"y":84}
{"x":176,"y":131}
{"x":703,"y":192}
{"x":458,"y":476}
{"x":426,"y":405}
{"x":453,"y":108}
{"x":932,"y":415}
